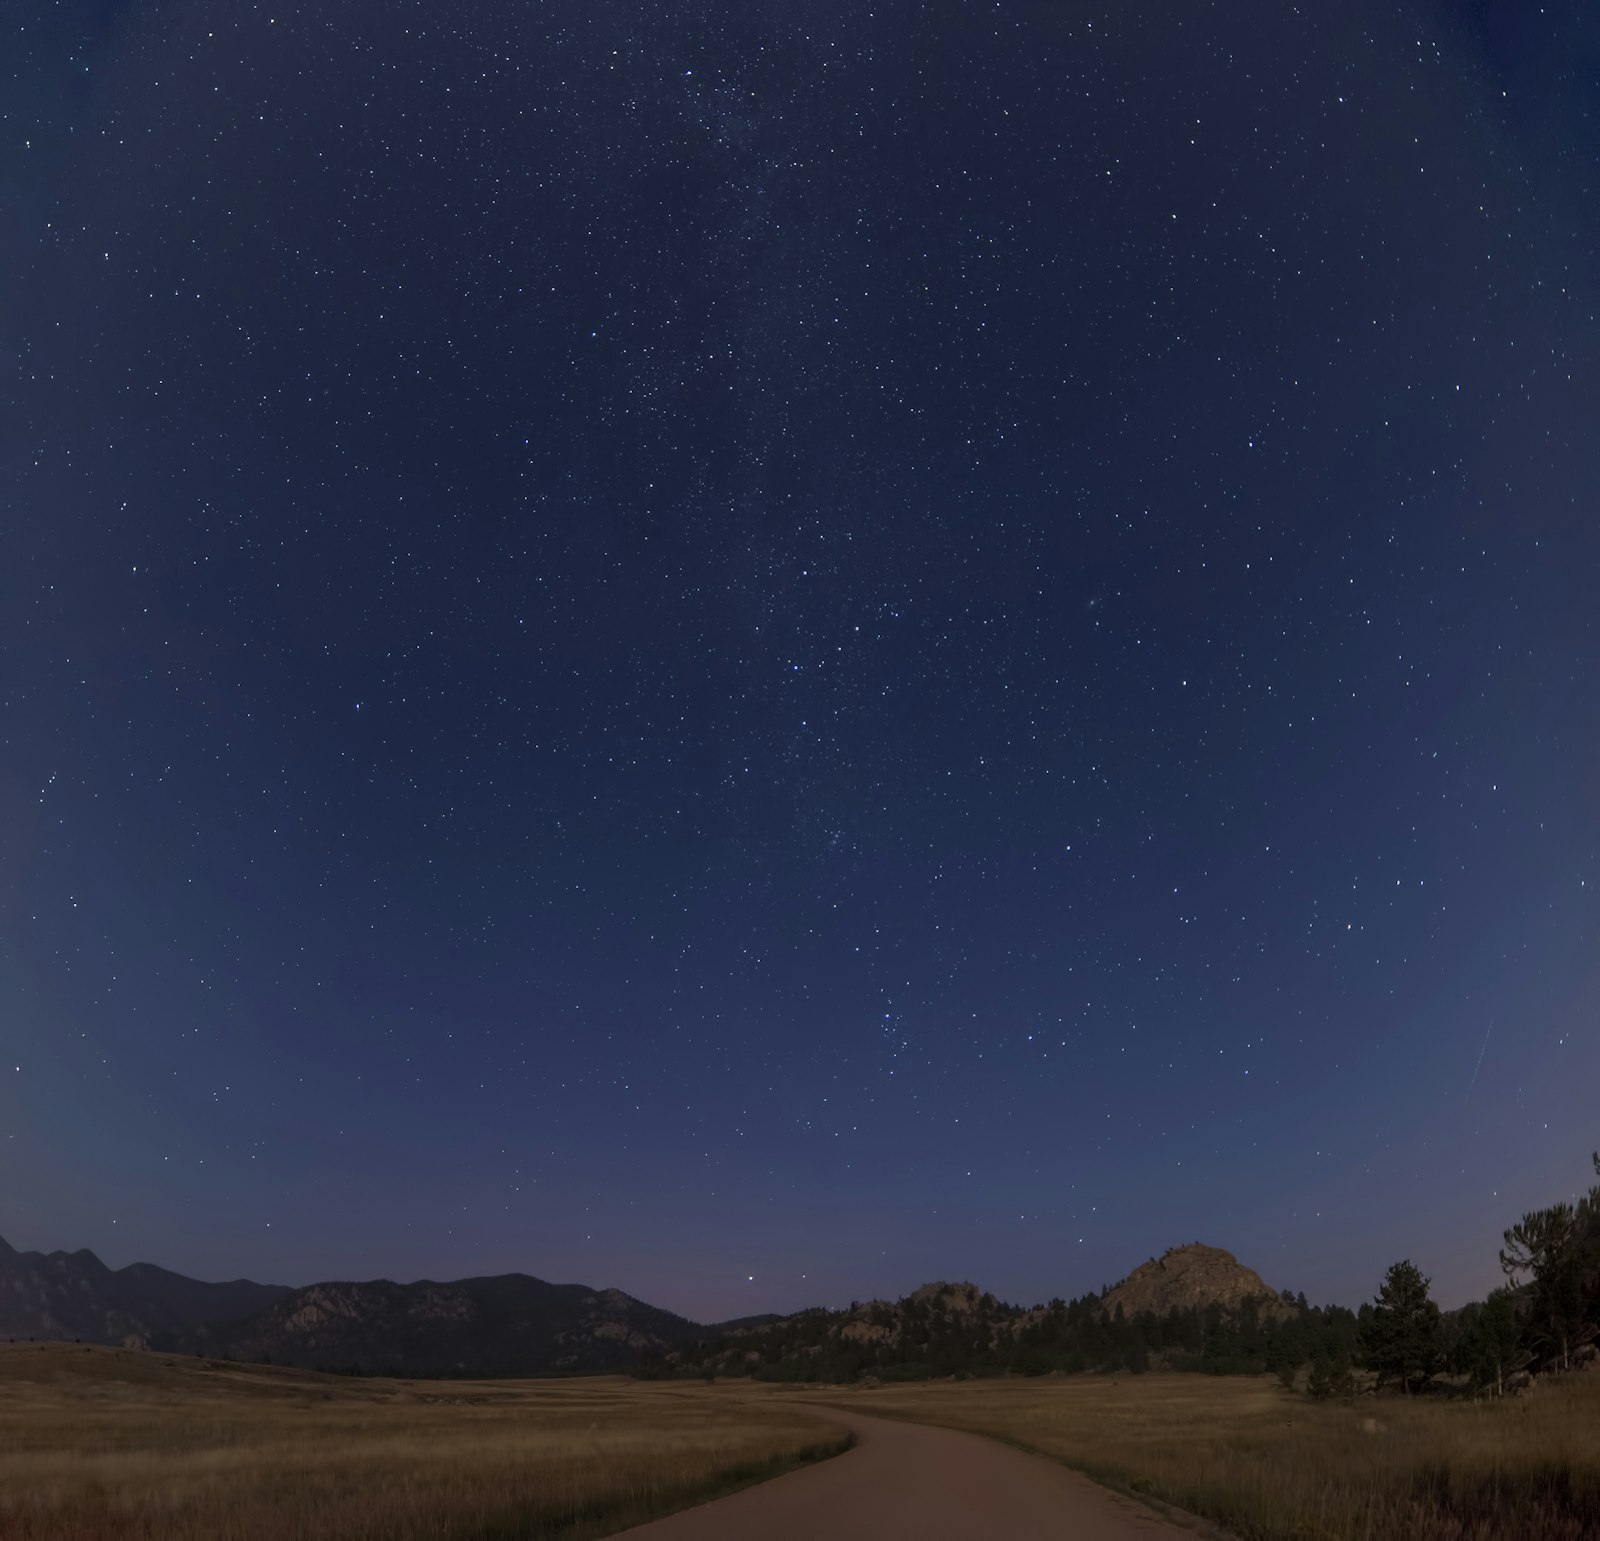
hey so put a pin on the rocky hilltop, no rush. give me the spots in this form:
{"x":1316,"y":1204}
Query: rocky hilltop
{"x":1192,"y":1277}
{"x":881,"y":1321}
{"x":963,"y":1298}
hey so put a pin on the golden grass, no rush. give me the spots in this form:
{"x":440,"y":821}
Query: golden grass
{"x":1271,"y":1465}
{"x":111,"y":1445}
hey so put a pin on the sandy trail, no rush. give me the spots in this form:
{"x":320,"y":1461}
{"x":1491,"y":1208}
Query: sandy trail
{"x":909,"y":1482}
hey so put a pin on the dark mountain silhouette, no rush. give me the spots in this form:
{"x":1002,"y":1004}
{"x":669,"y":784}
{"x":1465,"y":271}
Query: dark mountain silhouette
{"x":510,"y":1324}
{"x":74,"y":1295}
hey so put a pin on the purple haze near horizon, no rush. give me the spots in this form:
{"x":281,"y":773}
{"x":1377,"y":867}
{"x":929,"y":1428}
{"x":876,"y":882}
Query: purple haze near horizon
{"x":762,"y":653}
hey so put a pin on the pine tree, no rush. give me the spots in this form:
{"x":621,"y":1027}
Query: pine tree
{"x":1553,"y":1246}
{"x":1494,"y":1348}
{"x":1329,"y":1378}
{"x":1401,"y":1338}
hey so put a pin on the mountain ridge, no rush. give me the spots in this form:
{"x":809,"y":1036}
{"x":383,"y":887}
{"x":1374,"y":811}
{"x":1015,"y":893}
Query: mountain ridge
{"x":76,"y":1295}
{"x":498,"y":1324}
{"x":501,"y":1324}
{"x":519,"y":1324}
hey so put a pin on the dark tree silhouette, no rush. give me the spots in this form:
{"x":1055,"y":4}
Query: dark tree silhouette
{"x":1401,"y":1338}
{"x":1493,"y":1346}
{"x":1554,"y":1247}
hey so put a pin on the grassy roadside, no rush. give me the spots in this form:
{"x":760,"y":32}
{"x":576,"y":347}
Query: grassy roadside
{"x":1267,"y":1465}
{"x":605,"y":1517}
{"x":110,"y":1445}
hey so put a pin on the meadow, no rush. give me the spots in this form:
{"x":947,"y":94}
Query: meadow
{"x":101,"y":1444}
{"x":1272,"y":1465}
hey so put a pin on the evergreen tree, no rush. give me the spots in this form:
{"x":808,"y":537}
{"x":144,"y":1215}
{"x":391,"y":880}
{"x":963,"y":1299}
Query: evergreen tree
{"x":1554,"y":1248}
{"x":1287,"y":1350}
{"x":1401,"y":1338}
{"x":1330,"y":1377}
{"x":1494,"y":1343}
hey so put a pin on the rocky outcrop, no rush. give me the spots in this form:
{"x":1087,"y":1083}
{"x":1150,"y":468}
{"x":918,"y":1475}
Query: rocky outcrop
{"x":1193,"y":1277}
{"x":962,"y":1299}
{"x":883,"y":1321}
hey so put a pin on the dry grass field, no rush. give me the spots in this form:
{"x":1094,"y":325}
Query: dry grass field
{"x":108,"y":1445}
{"x":1269,"y":1465}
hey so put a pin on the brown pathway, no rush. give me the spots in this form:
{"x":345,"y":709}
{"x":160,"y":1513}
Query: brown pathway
{"x":910,"y":1482}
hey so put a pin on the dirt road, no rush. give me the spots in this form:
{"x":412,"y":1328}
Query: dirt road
{"x":908,"y":1482}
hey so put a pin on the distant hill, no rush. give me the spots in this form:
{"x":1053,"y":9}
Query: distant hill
{"x":510,"y":1324}
{"x":74,"y":1295}
{"x":1193,"y":1276}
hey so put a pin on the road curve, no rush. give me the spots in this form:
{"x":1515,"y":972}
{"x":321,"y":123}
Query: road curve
{"x":910,"y":1482}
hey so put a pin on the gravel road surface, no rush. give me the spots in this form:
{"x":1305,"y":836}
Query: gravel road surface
{"x":909,"y":1482}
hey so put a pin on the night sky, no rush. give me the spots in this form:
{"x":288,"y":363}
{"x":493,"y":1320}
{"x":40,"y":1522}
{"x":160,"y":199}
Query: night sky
{"x":763,"y":651}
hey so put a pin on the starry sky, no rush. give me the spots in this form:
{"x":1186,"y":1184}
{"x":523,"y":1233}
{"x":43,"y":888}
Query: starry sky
{"x":759,"y":652}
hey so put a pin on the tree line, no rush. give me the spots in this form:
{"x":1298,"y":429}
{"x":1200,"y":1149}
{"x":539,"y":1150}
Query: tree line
{"x":1545,"y":1317}
{"x":920,"y":1339}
